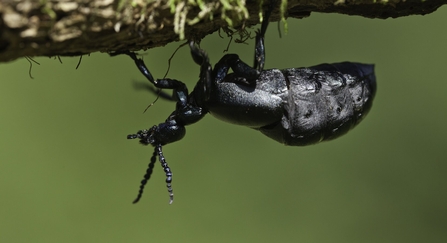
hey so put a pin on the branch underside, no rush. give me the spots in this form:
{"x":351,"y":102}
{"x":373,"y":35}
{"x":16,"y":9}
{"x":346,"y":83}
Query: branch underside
{"x":71,"y":28}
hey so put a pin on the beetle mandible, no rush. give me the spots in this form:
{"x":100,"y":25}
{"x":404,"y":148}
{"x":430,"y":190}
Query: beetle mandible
{"x":294,"y":106}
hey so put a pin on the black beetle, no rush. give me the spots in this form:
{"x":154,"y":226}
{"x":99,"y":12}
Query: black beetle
{"x":295,"y":106}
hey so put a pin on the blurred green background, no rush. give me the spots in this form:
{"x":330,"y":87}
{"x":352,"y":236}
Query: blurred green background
{"x":68,"y":174}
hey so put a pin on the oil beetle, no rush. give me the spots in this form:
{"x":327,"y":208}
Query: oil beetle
{"x":294,"y":106}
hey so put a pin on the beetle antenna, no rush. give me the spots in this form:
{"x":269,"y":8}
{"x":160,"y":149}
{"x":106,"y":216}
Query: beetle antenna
{"x":147,"y":176}
{"x":167,"y":170}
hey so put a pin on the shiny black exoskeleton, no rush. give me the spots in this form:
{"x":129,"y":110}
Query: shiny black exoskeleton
{"x":295,"y":106}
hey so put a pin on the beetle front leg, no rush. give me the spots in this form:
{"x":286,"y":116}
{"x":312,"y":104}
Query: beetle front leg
{"x":180,"y":89}
{"x":139,"y":62}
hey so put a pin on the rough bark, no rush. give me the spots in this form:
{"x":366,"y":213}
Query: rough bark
{"x":76,"y":27}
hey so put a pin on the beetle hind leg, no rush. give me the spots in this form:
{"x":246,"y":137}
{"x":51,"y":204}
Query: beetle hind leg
{"x":259,"y":45}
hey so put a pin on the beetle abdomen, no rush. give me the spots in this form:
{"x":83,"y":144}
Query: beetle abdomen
{"x":323,"y":102}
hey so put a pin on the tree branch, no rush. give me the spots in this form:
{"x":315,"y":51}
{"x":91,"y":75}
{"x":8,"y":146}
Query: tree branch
{"x":76,"y":27}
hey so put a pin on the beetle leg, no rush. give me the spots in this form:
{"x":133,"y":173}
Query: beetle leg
{"x":180,"y":89}
{"x":221,"y":68}
{"x":160,"y":93}
{"x":237,"y":65}
{"x":140,"y":64}
{"x":198,"y":55}
{"x":201,"y":58}
{"x":232,"y":60}
{"x":259,"y":45}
